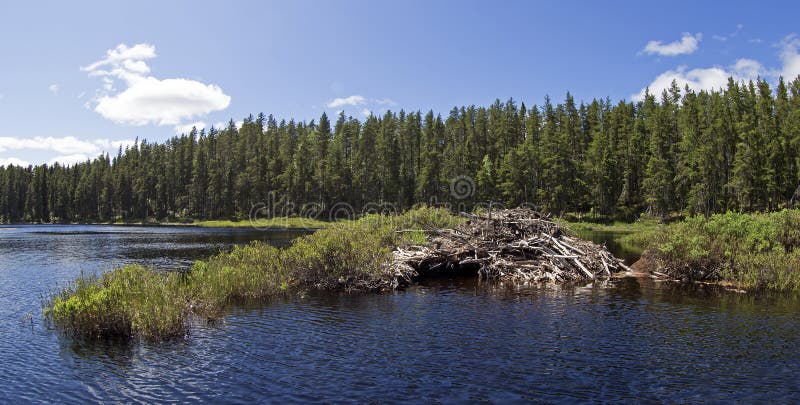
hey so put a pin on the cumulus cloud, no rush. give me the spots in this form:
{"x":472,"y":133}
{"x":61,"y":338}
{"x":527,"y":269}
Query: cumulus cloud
{"x":747,"y":68}
{"x":53,"y":88}
{"x":742,"y":70}
{"x":702,"y":78}
{"x":13,"y":161}
{"x":68,"y":148}
{"x":686,"y":45}
{"x":354,"y":100}
{"x":790,"y":57}
{"x":146,"y":99}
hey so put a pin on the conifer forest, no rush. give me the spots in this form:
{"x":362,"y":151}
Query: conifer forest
{"x":679,"y":152}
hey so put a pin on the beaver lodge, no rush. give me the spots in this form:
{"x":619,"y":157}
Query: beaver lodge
{"x":514,"y":244}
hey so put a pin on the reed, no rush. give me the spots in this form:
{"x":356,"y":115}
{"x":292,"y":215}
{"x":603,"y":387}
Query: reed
{"x":133,"y":301}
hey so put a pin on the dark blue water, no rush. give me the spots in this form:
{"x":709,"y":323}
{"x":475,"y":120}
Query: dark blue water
{"x":628,"y":340}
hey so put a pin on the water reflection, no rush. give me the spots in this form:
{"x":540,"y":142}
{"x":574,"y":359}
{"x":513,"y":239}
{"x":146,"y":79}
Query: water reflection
{"x":450,"y":340}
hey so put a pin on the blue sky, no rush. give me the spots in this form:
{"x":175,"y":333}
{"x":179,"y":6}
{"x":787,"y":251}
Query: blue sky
{"x":76,"y":79}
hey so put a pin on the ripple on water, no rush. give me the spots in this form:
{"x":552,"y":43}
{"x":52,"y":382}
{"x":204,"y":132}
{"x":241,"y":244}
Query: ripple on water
{"x":447,"y":340}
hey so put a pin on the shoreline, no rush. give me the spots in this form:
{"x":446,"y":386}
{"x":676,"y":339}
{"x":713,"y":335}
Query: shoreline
{"x":293,"y":223}
{"x":375,"y":253}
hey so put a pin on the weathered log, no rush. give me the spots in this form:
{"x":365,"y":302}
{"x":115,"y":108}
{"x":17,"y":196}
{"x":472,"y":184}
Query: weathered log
{"x":518,"y":244}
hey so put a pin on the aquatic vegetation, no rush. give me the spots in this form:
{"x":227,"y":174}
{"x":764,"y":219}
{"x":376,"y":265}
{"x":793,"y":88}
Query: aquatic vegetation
{"x":133,"y":301}
{"x":752,"y":251}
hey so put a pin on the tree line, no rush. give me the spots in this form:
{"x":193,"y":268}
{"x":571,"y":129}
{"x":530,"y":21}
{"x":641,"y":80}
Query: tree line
{"x":686,"y":152}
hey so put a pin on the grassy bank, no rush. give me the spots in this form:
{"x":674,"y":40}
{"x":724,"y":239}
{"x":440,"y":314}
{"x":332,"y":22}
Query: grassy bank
{"x":750,"y":251}
{"x":263,"y":223}
{"x":134,"y":301}
{"x":638,"y":234}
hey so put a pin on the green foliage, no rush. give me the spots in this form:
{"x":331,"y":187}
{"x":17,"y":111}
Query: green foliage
{"x":750,"y":250}
{"x":134,"y":301}
{"x":676,"y":152}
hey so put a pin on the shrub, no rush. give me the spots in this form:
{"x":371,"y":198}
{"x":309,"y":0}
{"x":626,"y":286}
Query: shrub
{"x":135,"y":301}
{"x":750,"y":250}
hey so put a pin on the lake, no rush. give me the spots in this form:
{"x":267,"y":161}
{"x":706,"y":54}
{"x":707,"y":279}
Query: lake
{"x":448,"y":340}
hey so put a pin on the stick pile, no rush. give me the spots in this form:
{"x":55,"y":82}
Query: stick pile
{"x":515,"y":244}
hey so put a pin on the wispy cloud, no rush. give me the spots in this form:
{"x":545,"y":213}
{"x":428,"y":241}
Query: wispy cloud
{"x":354,"y":100}
{"x":686,"y":45}
{"x":53,"y":88}
{"x":67,"y":145}
{"x":386,"y":102}
{"x":146,"y":99}
{"x":723,"y":38}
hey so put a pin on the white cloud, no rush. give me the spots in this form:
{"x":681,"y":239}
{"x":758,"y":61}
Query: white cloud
{"x":68,"y":160}
{"x":790,"y":57}
{"x":385,"y":101}
{"x":147,"y":99}
{"x":53,"y":88}
{"x":747,"y":69}
{"x":702,"y":78}
{"x":186,"y":128}
{"x":686,"y":45}
{"x":162,"y":102}
{"x":13,"y":161}
{"x":68,"y":145}
{"x":733,"y":34}
{"x":742,"y":70}
{"x":366,"y":112}
{"x":354,"y":100}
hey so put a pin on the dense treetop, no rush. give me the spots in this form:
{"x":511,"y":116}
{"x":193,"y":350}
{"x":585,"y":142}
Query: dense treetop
{"x":679,"y":152}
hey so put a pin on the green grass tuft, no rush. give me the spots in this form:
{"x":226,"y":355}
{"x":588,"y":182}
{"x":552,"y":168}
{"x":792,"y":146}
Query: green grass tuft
{"x":133,"y":301}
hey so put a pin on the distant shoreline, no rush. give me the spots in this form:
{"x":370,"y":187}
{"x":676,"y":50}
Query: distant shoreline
{"x":271,"y":223}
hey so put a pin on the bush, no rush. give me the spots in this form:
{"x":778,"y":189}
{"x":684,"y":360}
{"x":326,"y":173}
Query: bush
{"x":134,"y":301}
{"x":750,"y":250}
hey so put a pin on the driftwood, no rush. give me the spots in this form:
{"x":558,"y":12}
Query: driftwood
{"x":516,"y":244}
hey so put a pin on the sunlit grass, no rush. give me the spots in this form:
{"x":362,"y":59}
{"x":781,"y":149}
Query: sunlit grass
{"x":637,"y":234}
{"x":262,"y":223}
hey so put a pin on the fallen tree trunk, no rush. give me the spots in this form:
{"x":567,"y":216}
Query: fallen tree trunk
{"x":515,"y":244}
